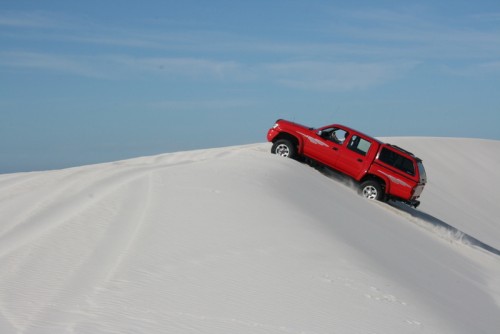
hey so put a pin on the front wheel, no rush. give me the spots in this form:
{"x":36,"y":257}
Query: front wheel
{"x":284,"y":148}
{"x":371,"y":190}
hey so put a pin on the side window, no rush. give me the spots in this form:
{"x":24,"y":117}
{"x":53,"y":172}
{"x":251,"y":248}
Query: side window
{"x":339,"y":136}
{"x":398,"y":161}
{"x":335,"y":135}
{"x":359,"y":145}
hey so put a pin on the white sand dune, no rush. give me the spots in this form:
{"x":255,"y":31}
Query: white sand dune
{"x":236,"y":240}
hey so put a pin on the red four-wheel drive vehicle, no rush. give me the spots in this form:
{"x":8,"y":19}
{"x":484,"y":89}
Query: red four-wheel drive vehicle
{"x":383,"y":171}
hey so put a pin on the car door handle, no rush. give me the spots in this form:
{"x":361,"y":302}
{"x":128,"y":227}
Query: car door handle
{"x":335,"y":148}
{"x":360,"y":160}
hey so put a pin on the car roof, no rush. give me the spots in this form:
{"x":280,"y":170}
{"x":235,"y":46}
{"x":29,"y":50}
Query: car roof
{"x":351,"y":130}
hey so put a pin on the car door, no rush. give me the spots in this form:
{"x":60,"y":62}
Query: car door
{"x":353,"y":156}
{"x":332,"y":140}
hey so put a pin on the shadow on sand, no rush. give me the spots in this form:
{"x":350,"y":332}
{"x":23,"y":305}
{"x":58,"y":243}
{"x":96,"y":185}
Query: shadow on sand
{"x":438,"y":224}
{"x":420,"y":217}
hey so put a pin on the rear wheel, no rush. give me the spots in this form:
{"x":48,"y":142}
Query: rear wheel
{"x":371,"y":190}
{"x":284,"y":148}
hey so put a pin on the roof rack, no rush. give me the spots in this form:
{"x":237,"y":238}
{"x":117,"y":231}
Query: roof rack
{"x":403,"y":150}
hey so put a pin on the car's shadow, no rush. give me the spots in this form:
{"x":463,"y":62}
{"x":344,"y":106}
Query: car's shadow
{"x":438,"y":224}
{"x":434,"y":223}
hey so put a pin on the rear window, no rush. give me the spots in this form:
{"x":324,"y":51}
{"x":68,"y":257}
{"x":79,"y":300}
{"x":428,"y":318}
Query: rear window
{"x":396,"y":160}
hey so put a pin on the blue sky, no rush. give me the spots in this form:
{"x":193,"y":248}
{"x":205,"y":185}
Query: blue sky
{"x":92,"y":81}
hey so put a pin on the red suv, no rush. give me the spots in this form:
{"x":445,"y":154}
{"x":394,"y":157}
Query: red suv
{"x":383,"y":171}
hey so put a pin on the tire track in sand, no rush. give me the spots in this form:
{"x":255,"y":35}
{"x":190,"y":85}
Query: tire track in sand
{"x":39,"y":221}
{"x":102,"y":261}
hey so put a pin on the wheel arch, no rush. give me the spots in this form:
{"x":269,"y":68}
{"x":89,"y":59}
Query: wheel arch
{"x":370,"y":177}
{"x":293,"y":139}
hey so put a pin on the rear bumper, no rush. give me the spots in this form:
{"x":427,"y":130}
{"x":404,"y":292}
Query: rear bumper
{"x":413,"y":203}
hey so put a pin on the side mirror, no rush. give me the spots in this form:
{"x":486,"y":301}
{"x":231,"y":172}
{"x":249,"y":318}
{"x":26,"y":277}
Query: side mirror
{"x":319,"y":133}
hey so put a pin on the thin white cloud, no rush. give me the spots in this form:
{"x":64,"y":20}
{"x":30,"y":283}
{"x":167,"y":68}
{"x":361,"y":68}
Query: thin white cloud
{"x":306,"y":75}
{"x":417,"y":32}
{"x":124,"y":66}
{"x":50,"y":62}
{"x":487,"y":17}
{"x":197,"y":105}
{"x":26,"y":20}
{"x":191,"y":67}
{"x":385,"y":34}
{"x":363,"y":49}
{"x":331,"y":76}
{"x":477,"y":70}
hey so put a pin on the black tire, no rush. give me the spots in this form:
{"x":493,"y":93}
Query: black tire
{"x":372,"y":190}
{"x":284,"y":148}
